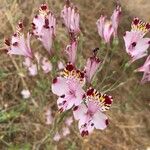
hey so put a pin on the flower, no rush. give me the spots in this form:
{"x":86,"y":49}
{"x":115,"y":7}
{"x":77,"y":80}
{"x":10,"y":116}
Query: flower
{"x":57,"y":137}
{"x":90,"y":113}
{"x":33,"y":70}
{"x":69,"y":88}
{"x":135,"y":43}
{"x":46,"y":65}
{"x":146,"y":69}
{"x":43,"y":26}
{"x":105,"y":28}
{"x":27,"y":62}
{"x":115,"y":18}
{"x":25,"y":93}
{"x":91,"y":67}
{"x":71,"y":18}
{"x":49,"y":118}
{"x":18,"y":44}
{"x":60,"y":65}
{"x":71,"y":51}
{"x":31,"y":67}
{"x":65,"y":131}
{"x":69,"y":121}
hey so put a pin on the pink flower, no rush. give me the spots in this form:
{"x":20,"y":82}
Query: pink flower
{"x":91,"y":67}
{"x":69,"y":121}
{"x":57,"y":137}
{"x":19,"y":45}
{"x":27,"y":62}
{"x":90,"y":113}
{"x":49,"y":118}
{"x":135,"y":43}
{"x":31,"y":67}
{"x":33,"y":70}
{"x":71,"y":51}
{"x":146,"y":69}
{"x":26,"y":94}
{"x":44,"y":26}
{"x":105,"y":28}
{"x":116,"y":18}
{"x":68,"y":88}
{"x":65,"y":131}
{"x":71,"y":18}
{"x":60,"y":65}
{"x":46,"y":65}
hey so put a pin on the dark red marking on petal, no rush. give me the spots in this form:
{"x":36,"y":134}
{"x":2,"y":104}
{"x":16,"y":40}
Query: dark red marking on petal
{"x":85,"y":125}
{"x":92,"y":124}
{"x":44,"y":7}
{"x":61,"y":110}
{"x":148,"y":26}
{"x":90,"y":92}
{"x":133,"y":44}
{"x":7,"y":42}
{"x":84,"y":96}
{"x":70,"y":67}
{"x":148,"y":42}
{"x":15,"y":35}
{"x":20,"y":25}
{"x":36,"y":16}
{"x":62,"y":96}
{"x":106,"y":122}
{"x":75,"y":108}
{"x":136,"y":21}
{"x":15,"y":44}
{"x":54,"y":80}
{"x":64,"y":102}
{"x":82,"y":75}
{"x":86,"y":133}
{"x":108,"y":100}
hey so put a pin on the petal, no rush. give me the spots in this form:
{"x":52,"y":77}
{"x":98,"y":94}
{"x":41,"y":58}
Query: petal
{"x":99,"y":120}
{"x":80,"y":111}
{"x":60,"y":86}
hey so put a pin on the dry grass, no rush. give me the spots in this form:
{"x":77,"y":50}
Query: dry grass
{"x":22,"y":126}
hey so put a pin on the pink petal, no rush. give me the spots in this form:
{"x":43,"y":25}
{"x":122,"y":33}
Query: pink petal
{"x":57,"y":137}
{"x":80,"y":112}
{"x":91,"y":67}
{"x":60,"y":86}
{"x":100,"y":120}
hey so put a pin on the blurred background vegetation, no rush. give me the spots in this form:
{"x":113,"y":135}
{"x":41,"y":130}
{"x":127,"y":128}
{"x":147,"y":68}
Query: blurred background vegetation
{"x":22,"y":126}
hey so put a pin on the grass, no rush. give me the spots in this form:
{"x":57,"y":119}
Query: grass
{"x":22,"y":125}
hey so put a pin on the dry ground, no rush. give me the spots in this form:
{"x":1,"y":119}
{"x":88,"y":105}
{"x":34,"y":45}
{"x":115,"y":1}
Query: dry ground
{"x":22,"y":126}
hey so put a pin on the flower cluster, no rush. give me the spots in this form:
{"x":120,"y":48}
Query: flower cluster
{"x":107,"y":28}
{"x":87,"y":103}
{"x":137,"y":45}
{"x":73,"y":85}
{"x":43,"y":28}
{"x":70,"y":85}
{"x":87,"y":106}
